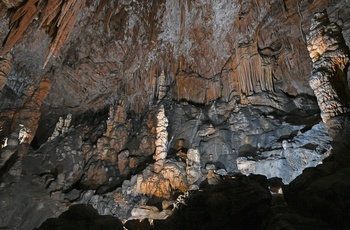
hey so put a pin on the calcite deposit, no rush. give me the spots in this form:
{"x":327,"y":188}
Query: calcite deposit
{"x":162,"y":140}
{"x":161,"y":113}
{"x":330,"y":56}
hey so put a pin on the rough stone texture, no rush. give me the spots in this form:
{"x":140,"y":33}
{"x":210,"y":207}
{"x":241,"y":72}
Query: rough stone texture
{"x":150,"y":212}
{"x":12,"y":3}
{"x":236,"y":76}
{"x":206,"y":49}
{"x":330,"y":57}
{"x":304,"y":150}
{"x":162,"y":184}
{"x":5,"y":67}
{"x":62,"y":126}
{"x":161,"y":141}
{"x":59,"y":163}
{"x":32,"y":206}
{"x":193,"y":166}
{"x":318,"y":193}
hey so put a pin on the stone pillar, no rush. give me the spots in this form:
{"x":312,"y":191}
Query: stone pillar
{"x":161,"y":86}
{"x":330,"y":57}
{"x":62,"y":126}
{"x":161,"y":140}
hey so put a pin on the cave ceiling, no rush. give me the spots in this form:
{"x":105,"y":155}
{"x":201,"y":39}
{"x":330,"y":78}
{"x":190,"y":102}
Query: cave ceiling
{"x":92,"y":53}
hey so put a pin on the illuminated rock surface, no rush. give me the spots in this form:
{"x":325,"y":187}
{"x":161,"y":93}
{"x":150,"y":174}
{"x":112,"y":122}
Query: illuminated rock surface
{"x":95,"y":95}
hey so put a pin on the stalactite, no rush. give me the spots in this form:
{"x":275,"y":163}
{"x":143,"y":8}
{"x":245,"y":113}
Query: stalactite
{"x":67,"y":17}
{"x":266,"y":80}
{"x":19,"y":22}
{"x":248,"y":69}
{"x":254,"y":73}
{"x":183,"y":20}
{"x":5,"y":68}
{"x":161,"y":140}
{"x":153,"y":81}
{"x":57,"y":17}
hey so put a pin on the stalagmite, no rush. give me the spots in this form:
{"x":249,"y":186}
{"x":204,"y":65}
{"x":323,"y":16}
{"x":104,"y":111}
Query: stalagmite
{"x":161,"y":86}
{"x":330,"y":57}
{"x":161,"y":140}
{"x":62,"y":126}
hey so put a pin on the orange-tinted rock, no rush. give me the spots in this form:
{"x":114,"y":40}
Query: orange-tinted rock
{"x":12,"y":3}
{"x":185,"y":91}
{"x":28,"y":116}
{"x":330,"y":55}
{"x":5,"y":67}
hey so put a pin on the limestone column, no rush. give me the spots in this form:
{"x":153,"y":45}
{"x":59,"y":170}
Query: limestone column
{"x":161,"y":140}
{"x":330,"y":57}
{"x":161,"y":86}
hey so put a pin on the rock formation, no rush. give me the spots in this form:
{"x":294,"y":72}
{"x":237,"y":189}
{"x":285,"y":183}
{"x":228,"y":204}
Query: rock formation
{"x":58,"y":16}
{"x":5,"y":67}
{"x":62,"y":126}
{"x":230,"y":79}
{"x":330,"y":56}
{"x":162,"y":140}
{"x":193,"y":166}
{"x":162,"y":88}
{"x":318,"y":189}
{"x":12,"y":3}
